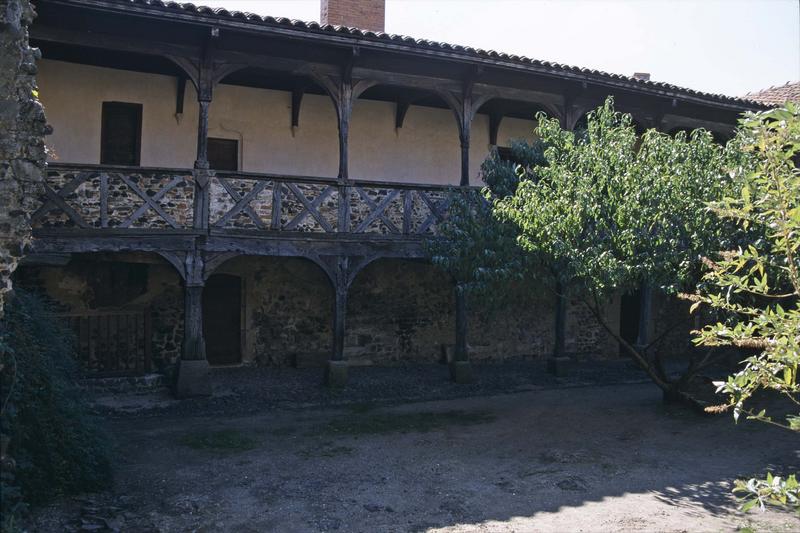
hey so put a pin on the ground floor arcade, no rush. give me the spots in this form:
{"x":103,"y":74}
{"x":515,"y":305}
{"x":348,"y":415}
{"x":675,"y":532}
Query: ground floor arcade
{"x":127,"y":310}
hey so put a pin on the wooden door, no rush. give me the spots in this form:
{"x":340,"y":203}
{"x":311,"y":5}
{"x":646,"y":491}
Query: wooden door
{"x":222,"y":326}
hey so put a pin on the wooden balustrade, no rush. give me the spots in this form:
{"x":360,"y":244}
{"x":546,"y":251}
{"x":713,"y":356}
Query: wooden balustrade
{"x":99,"y":197}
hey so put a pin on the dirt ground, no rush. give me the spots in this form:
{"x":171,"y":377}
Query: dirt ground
{"x":581,"y":459}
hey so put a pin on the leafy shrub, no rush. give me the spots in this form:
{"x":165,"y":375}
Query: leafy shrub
{"x":758,"y":286}
{"x":57,"y":445}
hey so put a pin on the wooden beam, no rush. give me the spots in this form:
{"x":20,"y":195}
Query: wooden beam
{"x":494,"y":126}
{"x":297,"y":99}
{"x":179,"y":97}
{"x":401,"y":108}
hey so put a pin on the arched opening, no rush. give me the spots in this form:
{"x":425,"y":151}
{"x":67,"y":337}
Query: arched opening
{"x":124,"y":308}
{"x":399,"y":311}
{"x":285,"y":315}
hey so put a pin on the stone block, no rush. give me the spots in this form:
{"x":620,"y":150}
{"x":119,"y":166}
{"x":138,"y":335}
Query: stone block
{"x":194,"y":379}
{"x":336,"y":374}
{"x":461,"y":372}
{"x":559,"y":366}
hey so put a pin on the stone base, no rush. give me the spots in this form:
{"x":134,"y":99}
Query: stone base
{"x":461,"y":372}
{"x":336,"y":374}
{"x":194,"y":379}
{"x":559,"y":366}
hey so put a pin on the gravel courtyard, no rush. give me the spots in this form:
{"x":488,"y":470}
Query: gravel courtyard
{"x":595,"y":458}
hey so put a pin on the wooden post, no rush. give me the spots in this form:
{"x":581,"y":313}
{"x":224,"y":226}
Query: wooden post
{"x":464,"y":131}
{"x":336,"y":368}
{"x":201,"y":172}
{"x":344,"y":109}
{"x":193,"y":343}
{"x":460,"y":369}
{"x":193,"y":372}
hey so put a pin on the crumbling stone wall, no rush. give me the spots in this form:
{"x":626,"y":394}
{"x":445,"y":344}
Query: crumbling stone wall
{"x":22,"y":131}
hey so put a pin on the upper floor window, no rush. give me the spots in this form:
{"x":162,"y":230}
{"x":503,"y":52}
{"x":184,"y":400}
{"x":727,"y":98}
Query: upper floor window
{"x":121,"y":134}
{"x":223,"y":154}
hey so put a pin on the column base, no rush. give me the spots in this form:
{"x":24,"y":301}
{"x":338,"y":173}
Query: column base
{"x":461,"y":372}
{"x":559,"y":366}
{"x":194,"y":379}
{"x":336,"y":374}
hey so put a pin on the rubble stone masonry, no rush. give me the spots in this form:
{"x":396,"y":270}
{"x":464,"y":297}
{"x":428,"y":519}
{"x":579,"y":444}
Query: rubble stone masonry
{"x":22,"y":130}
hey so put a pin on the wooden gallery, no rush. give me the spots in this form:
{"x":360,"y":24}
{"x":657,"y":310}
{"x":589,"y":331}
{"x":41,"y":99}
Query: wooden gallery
{"x":227,"y":189}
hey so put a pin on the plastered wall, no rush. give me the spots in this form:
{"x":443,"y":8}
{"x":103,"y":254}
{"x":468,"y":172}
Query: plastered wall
{"x":425,"y":150}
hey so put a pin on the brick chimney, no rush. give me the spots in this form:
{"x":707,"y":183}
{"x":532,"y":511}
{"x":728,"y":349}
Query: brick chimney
{"x":362,"y":14}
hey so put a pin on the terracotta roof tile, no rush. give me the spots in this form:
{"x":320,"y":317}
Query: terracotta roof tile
{"x":222,"y":13}
{"x":775,"y":96}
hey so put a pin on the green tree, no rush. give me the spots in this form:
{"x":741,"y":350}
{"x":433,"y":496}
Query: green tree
{"x":757,"y":287}
{"x":602,"y":212}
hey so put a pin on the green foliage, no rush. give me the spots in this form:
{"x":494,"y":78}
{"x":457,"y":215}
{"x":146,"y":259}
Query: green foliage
{"x":774,"y":490}
{"x":758,"y":286}
{"x":596,"y":213}
{"x":57,"y":446}
{"x":478,"y":249}
{"x":611,"y":210}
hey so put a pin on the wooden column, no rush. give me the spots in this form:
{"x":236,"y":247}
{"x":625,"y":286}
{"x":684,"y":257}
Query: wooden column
{"x":193,"y":342}
{"x":193,"y":372}
{"x":336,"y":368}
{"x":201,"y":172}
{"x":465,"y":115}
{"x":344,"y":109}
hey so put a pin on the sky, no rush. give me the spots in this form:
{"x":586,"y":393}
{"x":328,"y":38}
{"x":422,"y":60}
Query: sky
{"x":721,"y":46}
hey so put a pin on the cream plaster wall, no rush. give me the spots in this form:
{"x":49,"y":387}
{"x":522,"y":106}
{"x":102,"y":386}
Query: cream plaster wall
{"x":425,"y":150}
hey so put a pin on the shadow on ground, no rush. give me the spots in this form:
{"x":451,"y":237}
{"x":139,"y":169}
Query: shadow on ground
{"x":594,"y":459}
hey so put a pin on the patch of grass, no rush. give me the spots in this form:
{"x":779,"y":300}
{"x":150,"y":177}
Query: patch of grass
{"x":226,"y":440}
{"x":381,"y":423}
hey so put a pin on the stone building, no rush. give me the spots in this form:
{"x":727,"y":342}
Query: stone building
{"x":225,"y":188}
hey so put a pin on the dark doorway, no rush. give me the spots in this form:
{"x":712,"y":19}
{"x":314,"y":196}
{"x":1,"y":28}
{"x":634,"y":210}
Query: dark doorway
{"x":629,"y":318}
{"x":222,"y":324}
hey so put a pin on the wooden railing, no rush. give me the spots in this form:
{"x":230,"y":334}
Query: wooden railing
{"x":91,"y":196}
{"x":112,"y":343}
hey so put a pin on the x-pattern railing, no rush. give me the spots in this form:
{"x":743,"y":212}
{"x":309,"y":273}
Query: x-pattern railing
{"x":98,"y":197}
{"x":104,"y":193}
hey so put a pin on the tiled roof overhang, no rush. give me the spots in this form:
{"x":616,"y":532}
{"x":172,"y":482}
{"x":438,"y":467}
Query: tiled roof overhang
{"x":342,"y":35}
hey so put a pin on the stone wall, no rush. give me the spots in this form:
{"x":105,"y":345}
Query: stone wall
{"x":72,"y":288}
{"x":399,"y":311}
{"x":22,"y":131}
